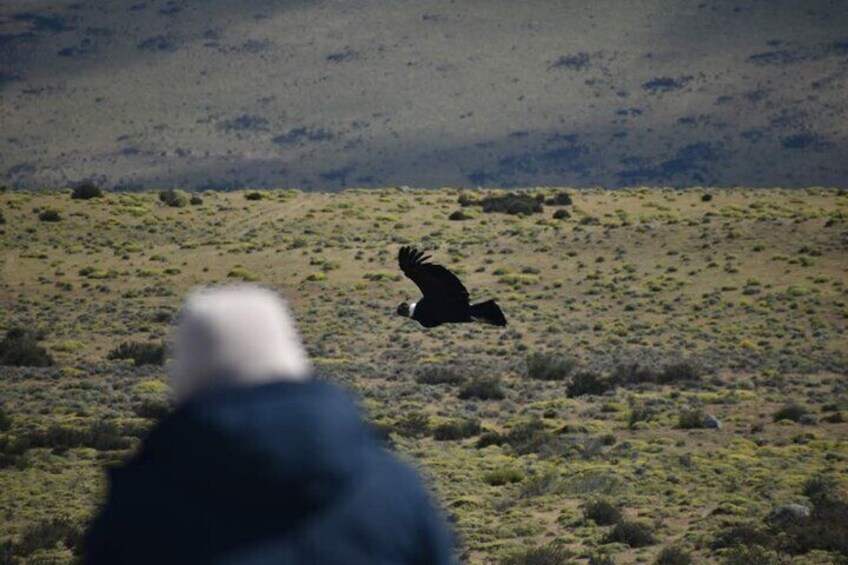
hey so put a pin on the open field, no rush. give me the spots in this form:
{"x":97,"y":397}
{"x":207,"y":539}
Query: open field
{"x":662,"y":306}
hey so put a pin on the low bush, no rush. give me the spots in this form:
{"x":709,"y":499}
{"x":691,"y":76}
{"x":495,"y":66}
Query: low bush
{"x":503,"y":476}
{"x":438,"y":374}
{"x":490,"y":438}
{"x":49,"y":216}
{"x":140,"y":353}
{"x":483,"y":388}
{"x":791,"y":411}
{"x":458,"y":215}
{"x":413,"y":425}
{"x":173,"y":198}
{"x":561,"y":198}
{"x":682,"y":371}
{"x":20,"y":348}
{"x":742,"y":534}
{"x":153,"y":408}
{"x":12,"y":451}
{"x":634,"y":374}
{"x":195,"y":200}
{"x":5,"y":420}
{"x":634,"y":534}
{"x":551,"y":554}
{"x":46,"y":534}
{"x":513,"y":203}
{"x":456,"y":430}
{"x":691,"y":418}
{"x":673,"y":555}
{"x":640,"y":412}
{"x":531,"y":437}
{"x":561,"y":214}
{"x":750,"y":555}
{"x":588,"y":382}
{"x":253,"y":196}
{"x":602,"y":513}
{"x":86,"y":191}
{"x":464,"y":200}
{"x":547,"y":367}
{"x":102,"y":435}
{"x":827,"y":527}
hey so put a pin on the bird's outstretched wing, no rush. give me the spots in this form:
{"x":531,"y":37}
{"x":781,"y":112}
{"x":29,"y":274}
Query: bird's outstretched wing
{"x":433,"y":280}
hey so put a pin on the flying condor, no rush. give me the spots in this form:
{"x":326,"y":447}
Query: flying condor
{"x":445,"y":300}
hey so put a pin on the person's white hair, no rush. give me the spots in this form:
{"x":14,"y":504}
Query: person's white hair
{"x":235,"y":335}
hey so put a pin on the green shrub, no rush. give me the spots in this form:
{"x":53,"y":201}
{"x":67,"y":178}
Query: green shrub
{"x":706,"y":197}
{"x":195,"y":200}
{"x":484,"y":388}
{"x":2,"y":218}
{"x":750,"y":555}
{"x":153,"y":408}
{"x":86,"y":191}
{"x":682,"y":371}
{"x":551,"y":554}
{"x":456,"y":430}
{"x":438,"y":374}
{"x":459,"y":215}
{"x":46,"y":534}
{"x":20,"y":348}
{"x":102,"y":435}
{"x":503,"y":476}
{"x":490,"y":438}
{"x":602,"y":513}
{"x":547,"y":367}
{"x":634,"y":534}
{"x":413,"y":424}
{"x":513,"y":203}
{"x":791,"y":411}
{"x":827,"y":528}
{"x":691,"y":418}
{"x":588,"y":382}
{"x":531,"y":437}
{"x":673,"y":555}
{"x":140,"y":353}
{"x":5,"y":419}
{"x":561,"y":214}
{"x":173,"y":198}
{"x":12,"y":451}
{"x":561,"y":198}
{"x":464,"y":200}
{"x":634,"y":373}
{"x":640,"y":412}
{"x":241,"y":273}
{"x":253,"y":196}
{"x":49,"y":216}
{"x":741,"y":535}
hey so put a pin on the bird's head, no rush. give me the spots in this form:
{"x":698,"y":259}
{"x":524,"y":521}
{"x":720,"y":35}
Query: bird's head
{"x":403,"y":310}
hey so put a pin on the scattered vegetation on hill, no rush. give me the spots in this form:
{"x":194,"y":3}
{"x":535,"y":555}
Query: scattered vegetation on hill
{"x":638,"y":319}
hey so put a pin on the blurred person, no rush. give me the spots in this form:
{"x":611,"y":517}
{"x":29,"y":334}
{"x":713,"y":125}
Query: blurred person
{"x":259,"y":463}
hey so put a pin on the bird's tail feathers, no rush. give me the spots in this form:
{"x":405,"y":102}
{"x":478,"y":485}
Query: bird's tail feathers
{"x":488,"y":312}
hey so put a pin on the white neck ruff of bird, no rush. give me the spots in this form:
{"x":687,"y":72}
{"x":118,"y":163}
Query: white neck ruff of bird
{"x":411,"y":309}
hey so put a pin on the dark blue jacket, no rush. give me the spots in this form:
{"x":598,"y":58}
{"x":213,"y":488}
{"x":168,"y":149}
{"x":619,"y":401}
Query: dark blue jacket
{"x":279,"y":473}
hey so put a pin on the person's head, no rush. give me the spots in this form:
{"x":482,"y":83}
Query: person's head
{"x":235,"y":335}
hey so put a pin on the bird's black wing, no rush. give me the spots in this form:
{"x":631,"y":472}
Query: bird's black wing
{"x":434,"y":280}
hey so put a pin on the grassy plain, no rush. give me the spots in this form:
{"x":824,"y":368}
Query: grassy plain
{"x":746,"y":292}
